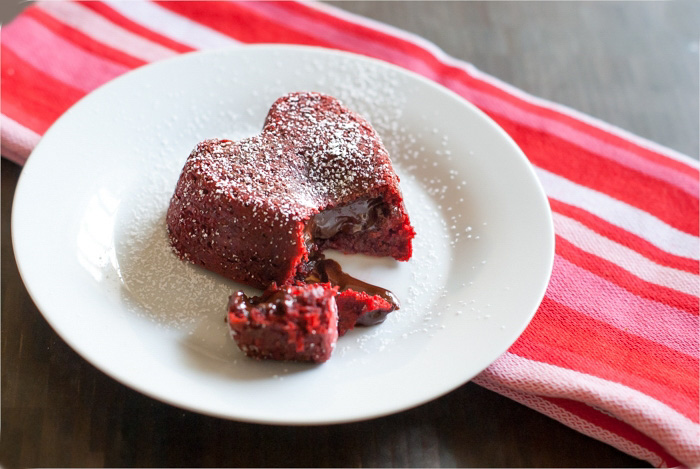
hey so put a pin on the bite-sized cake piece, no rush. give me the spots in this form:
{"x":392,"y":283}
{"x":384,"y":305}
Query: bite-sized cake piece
{"x":258,"y":210}
{"x":294,"y":322}
{"x":360,"y":308}
{"x":359,"y":303}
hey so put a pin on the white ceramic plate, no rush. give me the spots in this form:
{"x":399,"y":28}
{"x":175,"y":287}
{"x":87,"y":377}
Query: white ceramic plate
{"x":89,"y":237}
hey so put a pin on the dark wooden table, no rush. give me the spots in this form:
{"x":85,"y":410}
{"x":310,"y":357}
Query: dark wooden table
{"x":633,"y":64}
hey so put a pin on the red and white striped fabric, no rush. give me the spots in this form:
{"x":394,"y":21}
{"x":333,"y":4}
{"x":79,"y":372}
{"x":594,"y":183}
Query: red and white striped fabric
{"x":620,"y":365}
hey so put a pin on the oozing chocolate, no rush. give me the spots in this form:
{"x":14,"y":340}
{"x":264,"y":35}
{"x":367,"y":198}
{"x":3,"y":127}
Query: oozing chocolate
{"x":278,"y":301}
{"x":328,"y":270}
{"x":361,"y":215}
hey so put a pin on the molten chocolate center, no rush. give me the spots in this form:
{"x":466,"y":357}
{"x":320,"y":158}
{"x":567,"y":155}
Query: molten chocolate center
{"x":277,"y":301}
{"x":328,"y":270}
{"x":361,"y":215}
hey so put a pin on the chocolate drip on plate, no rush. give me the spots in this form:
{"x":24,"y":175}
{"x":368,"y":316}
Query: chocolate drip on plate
{"x":328,"y":270}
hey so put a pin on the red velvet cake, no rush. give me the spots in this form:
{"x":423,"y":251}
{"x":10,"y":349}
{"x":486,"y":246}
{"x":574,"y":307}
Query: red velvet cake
{"x":259,"y":210}
{"x":294,"y":322}
{"x":360,"y":308}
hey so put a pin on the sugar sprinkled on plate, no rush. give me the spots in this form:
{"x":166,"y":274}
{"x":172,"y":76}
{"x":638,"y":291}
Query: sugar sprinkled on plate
{"x":161,"y":288}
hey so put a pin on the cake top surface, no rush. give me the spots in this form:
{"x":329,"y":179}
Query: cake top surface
{"x":313,"y":152}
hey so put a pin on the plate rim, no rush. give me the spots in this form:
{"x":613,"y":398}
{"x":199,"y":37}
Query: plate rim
{"x":28,"y":169}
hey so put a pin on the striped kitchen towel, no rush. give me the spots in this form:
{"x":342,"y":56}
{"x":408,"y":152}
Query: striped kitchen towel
{"x":612,"y":351}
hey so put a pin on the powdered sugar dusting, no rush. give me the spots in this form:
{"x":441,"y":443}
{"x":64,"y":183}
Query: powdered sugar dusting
{"x":157,"y":284}
{"x":312,"y":152}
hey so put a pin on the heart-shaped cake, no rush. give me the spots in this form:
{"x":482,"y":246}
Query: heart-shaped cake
{"x":262,"y":209}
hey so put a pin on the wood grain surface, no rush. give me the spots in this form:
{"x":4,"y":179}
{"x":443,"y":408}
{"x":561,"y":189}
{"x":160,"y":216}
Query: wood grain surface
{"x":632,"y":64}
